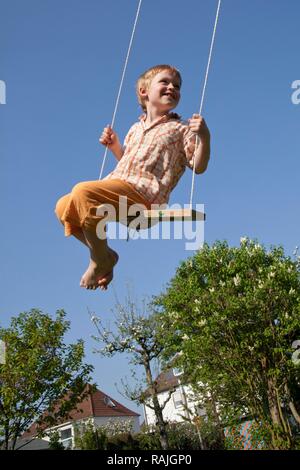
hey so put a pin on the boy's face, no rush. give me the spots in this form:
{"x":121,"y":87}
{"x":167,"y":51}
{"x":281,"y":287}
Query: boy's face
{"x":163,"y":92}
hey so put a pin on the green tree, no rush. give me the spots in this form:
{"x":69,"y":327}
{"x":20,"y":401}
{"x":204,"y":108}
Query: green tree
{"x":87,"y":436}
{"x":54,"y":442}
{"x":139,"y":335}
{"x":39,"y":370}
{"x":234,"y":315}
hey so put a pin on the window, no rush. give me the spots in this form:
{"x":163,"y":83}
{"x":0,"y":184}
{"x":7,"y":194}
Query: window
{"x":177,"y":399}
{"x":109,"y":402}
{"x":66,"y":437}
{"x":200,"y":411}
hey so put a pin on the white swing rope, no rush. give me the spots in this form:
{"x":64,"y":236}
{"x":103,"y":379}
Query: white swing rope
{"x":121,"y":82}
{"x":203,"y":94}
{"x":203,"y":89}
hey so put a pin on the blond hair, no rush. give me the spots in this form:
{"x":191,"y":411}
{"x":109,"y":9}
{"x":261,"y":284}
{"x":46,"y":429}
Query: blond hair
{"x":146,"y":78}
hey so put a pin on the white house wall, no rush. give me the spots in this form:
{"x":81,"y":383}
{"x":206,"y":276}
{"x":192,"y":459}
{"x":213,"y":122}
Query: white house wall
{"x":170,"y":413}
{"x":98,"y":421}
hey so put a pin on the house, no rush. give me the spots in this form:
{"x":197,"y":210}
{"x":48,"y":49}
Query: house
{"x":97,"y":408}
{"x":32,"y":444}
{"x":182,"y":404}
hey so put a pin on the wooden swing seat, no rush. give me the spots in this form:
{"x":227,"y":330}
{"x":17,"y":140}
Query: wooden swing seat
{"x":153,"y":216}
{"x":172,"y":215}
{"x":150,"y":217}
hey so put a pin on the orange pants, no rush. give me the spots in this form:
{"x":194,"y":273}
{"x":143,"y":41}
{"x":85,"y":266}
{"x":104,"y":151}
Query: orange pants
{"x":77,"y":209}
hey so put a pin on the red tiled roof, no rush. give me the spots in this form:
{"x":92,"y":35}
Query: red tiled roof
{"x":101,"y":408}
{"x":96,"y":404}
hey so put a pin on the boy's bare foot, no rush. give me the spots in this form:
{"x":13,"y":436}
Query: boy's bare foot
{"x":105,"y":280}
{"x":99,"y":276}
{"x":90,"y":278}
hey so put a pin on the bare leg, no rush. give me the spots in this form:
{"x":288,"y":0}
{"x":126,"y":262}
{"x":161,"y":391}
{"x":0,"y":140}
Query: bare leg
{"x":79,"y":235}
{"x":107,"y":278}
{"x":104,"y":281}
{"x":102,"y":261}
{"x":100,"y":271}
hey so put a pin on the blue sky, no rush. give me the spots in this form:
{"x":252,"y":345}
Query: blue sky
{"x":61,"y":62}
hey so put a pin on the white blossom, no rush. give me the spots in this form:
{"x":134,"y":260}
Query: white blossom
{"x":109,"y":347}
{"x":243,"y":240}
{"x":117,"y":426}
{"x":292,"y":291}
{"x":174,"y":315}
{"x":237,"y":280}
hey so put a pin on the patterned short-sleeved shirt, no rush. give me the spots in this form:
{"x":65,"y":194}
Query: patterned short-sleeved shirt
{"x":155,"y":157}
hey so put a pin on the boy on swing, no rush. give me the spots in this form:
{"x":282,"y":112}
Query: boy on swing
{"x":156,"y":151}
